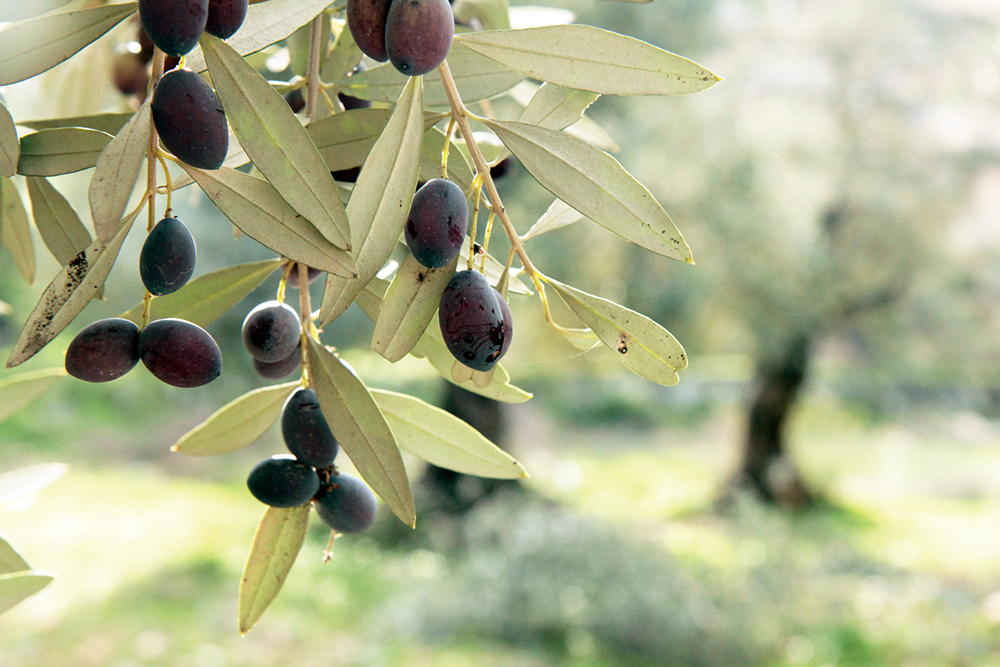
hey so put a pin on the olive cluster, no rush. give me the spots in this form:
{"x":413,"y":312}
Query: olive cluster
{"x":187,"y":114}
{"x":343,"y":501}
{"x":414,"y":35}
{"x":175,"y":351}
{"x":475,"y":319}
{"x":272,"y":334}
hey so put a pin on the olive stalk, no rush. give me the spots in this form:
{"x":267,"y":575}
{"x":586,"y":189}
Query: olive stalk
{"x":152,"y":152}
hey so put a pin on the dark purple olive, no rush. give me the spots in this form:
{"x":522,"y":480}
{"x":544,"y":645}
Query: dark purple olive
{"x":174,"y":25}
{"x":190,"y":120}
{"x":306,"y":431}
{"x":225,"y":17}
{"x":168,"y":256}
{"x":271,"y":331}
{"x":471,"y":319}
{"x":281,"y":481}
{"x":418,"y":34}
{"x":347,"y":505}
{"x":179,"y":353}
{"x":275,"y":370}
{"x":366,"y":21}
{"x":104,"y":350}
{"x":435,"y":228}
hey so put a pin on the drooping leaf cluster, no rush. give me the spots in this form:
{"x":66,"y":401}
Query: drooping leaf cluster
{"x":417,"y":129}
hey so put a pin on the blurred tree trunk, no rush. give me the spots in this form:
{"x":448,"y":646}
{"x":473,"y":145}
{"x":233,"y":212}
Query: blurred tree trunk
{"x":766,"y":468}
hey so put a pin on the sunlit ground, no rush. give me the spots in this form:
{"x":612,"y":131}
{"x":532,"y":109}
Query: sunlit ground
{"x":900,"y":567}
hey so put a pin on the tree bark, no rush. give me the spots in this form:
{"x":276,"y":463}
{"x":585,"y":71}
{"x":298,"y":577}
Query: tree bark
{"x":766,"y":469}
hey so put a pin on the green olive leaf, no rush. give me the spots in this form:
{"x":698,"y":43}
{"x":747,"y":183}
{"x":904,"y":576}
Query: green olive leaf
{"x":60,"y":151}
{"x":380,"y":201}
{"x":207,"y":297}
{"x":24,"y":482}
{"x":344,"y":55}
{"x":21,"y":390}
{"x":444,"y":440}
{"x":110,"y":123}
{"x":431,"y":150}
{"x":646,"y":348}
{"x":275,"y":140}
{"x":477,"y":78}
{"x":10,"y":559}
{"x":116,"y":172}
{"x":587,"y":58}
{"x":595,"y":184}
{"x":557,"y":107}
{"x":345,"y":139}
{"x":361,"y":430}
{"x":236,"y":424}
{"x":236,"y":157}
{"x":17,"y":586}
{"x":257,"y":209}
{"x":558,"y":215}
{"x":58,"y":224}
{"x":10,"y":147}
{"x":18,"y":10}
{"x":408,"y":306}
{"x":31,"y":47}
{"x":265,"y":23}
{"x":491,"y":14}
{"x":277,"y":541}
{"x":15,"y":233}
{"x":68,"y":293}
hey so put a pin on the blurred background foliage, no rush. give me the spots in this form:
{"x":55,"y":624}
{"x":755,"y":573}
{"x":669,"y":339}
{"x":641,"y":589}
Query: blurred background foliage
{"x":840,"y":190}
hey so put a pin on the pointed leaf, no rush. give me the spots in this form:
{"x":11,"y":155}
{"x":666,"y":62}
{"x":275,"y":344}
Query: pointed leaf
{"x":58,"y":224}
{"x":60,"y":151}
{"x":595,"y":184}
{"x":558,"y":215}
{"x":266,"y":23}
{"x":237,"y":423}
{"x":17,"y":586}
{"x":648,"y":349}
{"x":259,"y":211}
{"x":380,"y":201}
{"x":275,"y":140}
{"x":15,"y":233}
{"x":276,"y":543}
{"x":116,"y":172}
{"x":408,"y":306}
{"x":10,"y":559}
{"x":588,"y":58}
{"x":557,"y":107}
{"x":109,"y":123}
{"x":444,"y":440}
{"x":30,"y":48}
{"x":18,"y":10}
{"x":207,"y":297}
{"x":25,"y":482}
{"x":72,"y":289}
{"x":477,"y":78}
{"x":361,"y":430}
{"x":10,"y":147}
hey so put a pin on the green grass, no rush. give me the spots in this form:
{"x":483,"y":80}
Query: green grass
{"x":896,"y":570}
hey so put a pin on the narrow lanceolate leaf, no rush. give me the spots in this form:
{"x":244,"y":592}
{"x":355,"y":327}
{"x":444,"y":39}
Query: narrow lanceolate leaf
{"x":15,"y":234}
{"x":10,"y":559}
{"x":18,"y":10}
{"x":558,"y":215}
{"x":588,"y":58}
{"x":116,"y":172}
{"x":644,"y":346}
{"x":408,"y":306}
{"x":208,"y":297}
{"x":259,"y":211}
{"x":381,"y":199}
{"x":266,"y":23}
{"x":595,"y":184}
{"x":345,"y":139}
{"x":10,"y":147}
{"x":477,"y":78}
{"x":60,"y":151}
{"x":58,"y":224}
{"x":440,"y":438}
{"x":72,"y":289}
{"x":361,"y":430}
{"x":276,"y":141}
{"x":25,"y":482}
{"x":276,"y":543}
{"x":556,"y":107}
{"x":17,"y":586}
{"x":30,"y":48}
{"x":237,"y":423}
{"x":110,"y":123}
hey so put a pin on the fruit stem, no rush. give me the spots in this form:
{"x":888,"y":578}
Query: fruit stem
{"x":305,"y":310}
{"x":460,"y":114}
{"x":315,"y":56}
{"x":447,"y":145}
{"x":151,"y":157}
{"x":477,"y":195}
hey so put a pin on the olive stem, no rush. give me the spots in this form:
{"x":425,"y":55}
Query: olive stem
{"x":151,"y":158}
{"x":314,"y":62}
{"x":461,"y":116}
{"x":305,"y":309}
